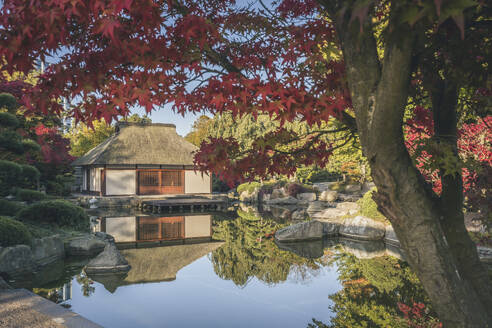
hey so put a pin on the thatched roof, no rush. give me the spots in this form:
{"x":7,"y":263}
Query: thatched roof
{"x":156,"y":264}
{"x":141,"y":143}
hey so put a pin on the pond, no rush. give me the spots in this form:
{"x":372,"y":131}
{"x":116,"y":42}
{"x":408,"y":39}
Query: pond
{"x":211,"y":270}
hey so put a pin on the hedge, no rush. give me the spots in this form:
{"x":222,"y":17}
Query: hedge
{"x":10,"y":173}
{"x":9,"y":208}
{"x":56,"y":212}
{"x":28,"y":195}
{"x":13,"y":232}
{"x":30,"y":176}
{"x":8,"y":120}
{"x":248,"y":186}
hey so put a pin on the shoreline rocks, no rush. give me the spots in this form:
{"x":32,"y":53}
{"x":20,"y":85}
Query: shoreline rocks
{"x":108,"y":261}
{"x":362,"y":228}
{"x":87,"y":245}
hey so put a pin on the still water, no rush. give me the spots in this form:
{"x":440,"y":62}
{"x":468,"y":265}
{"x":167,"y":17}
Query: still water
{"x":206,"y":270}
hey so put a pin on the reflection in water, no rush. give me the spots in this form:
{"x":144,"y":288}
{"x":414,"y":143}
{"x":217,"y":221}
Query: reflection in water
{"x":223,"y":272}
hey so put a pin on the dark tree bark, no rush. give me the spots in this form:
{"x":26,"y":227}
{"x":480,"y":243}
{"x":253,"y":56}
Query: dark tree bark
{"x":379,"y":91}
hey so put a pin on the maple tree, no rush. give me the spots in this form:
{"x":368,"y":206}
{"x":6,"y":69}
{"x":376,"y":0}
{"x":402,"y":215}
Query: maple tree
{"x":361,"y":62}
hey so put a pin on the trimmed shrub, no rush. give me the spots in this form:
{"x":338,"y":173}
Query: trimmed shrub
{"x":27,"y":195}
{"x":11,"y":141}
{"x":30,"y":176}
{"x":10,"y":174}
{"x":9,"y":208}
{"x":56,"y":212}
{"x":8,"y":120}
{"x":30,"y":146}
{"x":8,"y":102}
{"x":13,"y":232}
{"x":368,"y":207}
{"x":248,"y":186}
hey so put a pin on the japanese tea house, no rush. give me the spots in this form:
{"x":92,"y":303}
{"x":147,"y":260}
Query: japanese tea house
{"x":142,"y":159}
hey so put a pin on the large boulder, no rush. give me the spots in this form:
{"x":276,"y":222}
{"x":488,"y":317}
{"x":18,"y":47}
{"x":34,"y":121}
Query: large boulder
{"x":87,"y":245}
{"x":350,"y":208}
{"x":328,"y":196}
{"x":308,"y":249}
{"x":283,"y":201}
{"x":307,"y":196}
{"x":310,"y":230}
{"x":352,"y":188}
{"x":16,"y":261}
{"x":364,"y":249}
{"x":331,"y":227}
{"x":330,"y":213}
{"x":278,"y":193}
{"x":390,"y":236}
{"x":108,"y":261}
{"x":315,"y":207}
{"x":47,"y":250}
{"x":300,"y":215}
{"x":362,"y":228}
{"x":248,"y":197}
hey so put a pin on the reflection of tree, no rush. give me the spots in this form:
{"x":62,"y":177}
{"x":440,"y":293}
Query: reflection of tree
{"x":372,"y":289}
{"x":247,"y":253}
{"x":85,"y":284}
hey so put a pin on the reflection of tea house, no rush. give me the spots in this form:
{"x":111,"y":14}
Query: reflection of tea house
{"x":142,"y":159}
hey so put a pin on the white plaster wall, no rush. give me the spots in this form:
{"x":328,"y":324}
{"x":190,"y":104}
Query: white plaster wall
{"x":120,"y":182}
{"x":196,"y":184}
{"x":197,"y":226}
{"x":95,"y":179}
{"x":123,"y":229}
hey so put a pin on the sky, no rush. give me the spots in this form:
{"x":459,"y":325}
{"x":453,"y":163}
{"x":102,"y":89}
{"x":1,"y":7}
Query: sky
{"x":166,"y":115}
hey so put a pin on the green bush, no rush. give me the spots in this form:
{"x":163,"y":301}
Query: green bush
{"x":28,"y":195}
{"x":9,"y":208}
{"x":30,"y":176}
{"x":368,"y":207}
{"x":13,"y":232}
{"x":8,"y":120}
{"x":10,"y":174}
{"x":248,"y":186}
{"x":30,"y":146}
{"x":61,"y":186}
{"x":7,"y":101}
{"x":56,"y":212}
{"x":219,"y":185}
{"x":312,"y":175}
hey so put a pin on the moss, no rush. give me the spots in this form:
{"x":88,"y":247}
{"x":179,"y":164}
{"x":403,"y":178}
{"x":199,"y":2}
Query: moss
{"x":13,"y":232}
{"x":59,"y":213}
{"x":27,"y":195}
{"x":248,"y":186}
{"x":368,"y":207}
{"x":9,"y":208}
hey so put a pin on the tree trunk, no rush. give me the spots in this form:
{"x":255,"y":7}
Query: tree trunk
{"x":379,"y":95}
{"x":444,"y":96}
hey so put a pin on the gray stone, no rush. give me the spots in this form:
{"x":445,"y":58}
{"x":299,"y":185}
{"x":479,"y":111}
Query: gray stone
{"x":283,"y":201}
{"x":302,"y":231}
{"x":317,"y":206}
{"x":278,"y":193}
{"x":367,"y":186}
{"x":109,"y":261}
{"x":349,"y":198}
{"x":328,"y":196}
{"x":331,"y":227}
{"x":474,"y":222}
{"x":300,"y":215}
{"x":322,"y":186}
{"x":362,"y":228}
{"x":265,"y":197}
{"x":330,"y":213}
{"x":350,"y":208}
{"x":395,"y":251}
{"x":87,"y":245}
{"x":248,"y":197}
{"x":16,"y":261}
{"x":104,"y":236}
{"x":4,"y":285}
{"x":47,"y":250}
{"x":485,"y":254}
{"x":390,"y":236}
{"x":307,"y":196}
{"x":352,"y":188}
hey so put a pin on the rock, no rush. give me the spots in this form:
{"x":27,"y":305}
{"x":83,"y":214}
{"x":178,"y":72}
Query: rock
{"x":283,"y":201}
{"x":485,"y":254}
{"x":350,"y":208}
{"x":330,"y":213}
{"x":278,"y":193}
{"x":47,"y":250}
{"x":248,"y":197}
{"x":300,"y":215}
{"x":367,"y":186}
{"x":265,"y":197}
{"x":364,"y":249}
{"x":279,"y":212}
{"x":104,"y":236}
{"x":474,"y":222}
{"x":308,"y":249}
{"x":307,"y":196}
{"x":352,"y":188}
{"x":395,"y":251}
{"x":310,"y":230}
{"x":362,"y":228}
{"x":317,"y":206}
{"x":390,"y":236}
{"x":328,"y":196}
{"x":16,"y":261}
{"x":108,"y":261}
{"x":331,"y":227}
{"x":322,"y":186}
{"x":349,"y":198}
{"x":87,"y":245}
